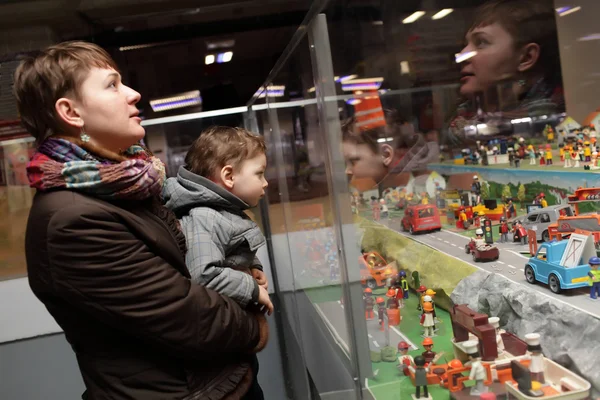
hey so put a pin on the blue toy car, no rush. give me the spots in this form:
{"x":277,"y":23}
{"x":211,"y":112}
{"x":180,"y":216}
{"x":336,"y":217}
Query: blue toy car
{"x":546,"y":267}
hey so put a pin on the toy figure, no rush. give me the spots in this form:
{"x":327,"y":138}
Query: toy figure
{"x":453,"y":364}
{"x":541,"y":153}
{"x":391,"y":295}
{"x":375,"y":208}
{"x":478,"y":373}
{"x":431,"y":293}
{"x":511,"y":157}
{"x":424,"y":198}
{"x":484,"y":155}
{"x":593,"y":135}
{"x":567,"y":152}
{"x":384,"y":209}
{"x":574,"y":157}
{"x":404,"y":360}
{"x":421,"y":293}
{"x":462,"y":218}
{"x":587,"y":151}
{"x":542,"y":199}
{"x":595,"y":161}
{"x":580,"y":151}
{"x":381,"y":312}
{"x":519,"y":232}
{"x":548,"y":155}
{"x":369,"y":303}
{"x":561,"y":152}
{"x":427,"y":319}
{"x":503,"y":230}
{"x":594,"y":275}
{"x":495,"y":322}
{"x":420,"y":373}
{"x":404,"y":284}
{"x":531,"y":153}
{"x":536,"y":367}
{"x":510,"y":209}
{"x":428,"y":354}
{"x":479,"y":240}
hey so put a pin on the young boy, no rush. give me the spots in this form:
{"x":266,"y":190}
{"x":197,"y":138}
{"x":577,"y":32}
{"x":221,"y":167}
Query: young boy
{"x":223,"y":176}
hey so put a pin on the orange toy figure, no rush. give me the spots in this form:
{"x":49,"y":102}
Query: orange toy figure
{"x":541,"y":153}
{"x":421,"y":290}
{"x":369,"y":303}
{"x":453,"y":364}
{"x":427,"y":319}
{"x":381,"y":312}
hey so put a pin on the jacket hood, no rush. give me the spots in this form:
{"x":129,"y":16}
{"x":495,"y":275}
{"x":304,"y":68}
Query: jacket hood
{"x":189,"y":190}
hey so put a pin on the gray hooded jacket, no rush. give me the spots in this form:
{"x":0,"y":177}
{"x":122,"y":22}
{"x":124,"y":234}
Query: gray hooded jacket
{"x":221,"y":239}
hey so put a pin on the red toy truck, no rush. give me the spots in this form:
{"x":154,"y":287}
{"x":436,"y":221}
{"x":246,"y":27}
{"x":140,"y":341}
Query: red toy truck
{"x":421,"y":218}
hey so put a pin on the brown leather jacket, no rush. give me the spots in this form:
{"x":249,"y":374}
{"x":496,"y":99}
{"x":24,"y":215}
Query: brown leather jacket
{"x":114,"y":277}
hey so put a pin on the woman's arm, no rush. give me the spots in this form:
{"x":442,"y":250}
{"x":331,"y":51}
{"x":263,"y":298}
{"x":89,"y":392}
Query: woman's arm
{"x":98,"y":265}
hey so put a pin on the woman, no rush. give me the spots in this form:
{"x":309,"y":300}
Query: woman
{"x":511,"y":66}
{"x":102,"y":254}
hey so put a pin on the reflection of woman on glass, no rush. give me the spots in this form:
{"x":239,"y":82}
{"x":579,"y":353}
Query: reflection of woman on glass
{"x":105,"y":257}
{"x":510,"y":63}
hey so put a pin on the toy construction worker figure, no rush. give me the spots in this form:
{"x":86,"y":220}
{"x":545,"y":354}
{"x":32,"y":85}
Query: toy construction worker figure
{"x":427,"y":319}
{"x":392,"y":300}
{"x":420,"y":372}
{"x":369,"y":303}
{"x":594,"y":275}
{"x":453,"y":364}
{"x":543,"y":201}
{"x":478,"y":373}
{"x":431,"y":293}
{"x":462,"y":218}
{"x":548,"y":155}
{"x":503,"y":229}
{"x":381,"y":311}
{"x":404,"y":360}
{"x":587,"y":151}
{"x":428,"y":354}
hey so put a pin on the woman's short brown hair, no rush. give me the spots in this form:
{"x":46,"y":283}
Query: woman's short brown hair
{"x":219,"y":146}
{"x":56,"y":72}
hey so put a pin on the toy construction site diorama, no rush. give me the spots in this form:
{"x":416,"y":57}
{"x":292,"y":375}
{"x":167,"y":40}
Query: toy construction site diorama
{"x":481,"y":281}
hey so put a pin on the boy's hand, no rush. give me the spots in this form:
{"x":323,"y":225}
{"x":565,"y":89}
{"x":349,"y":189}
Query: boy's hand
{"x":265,"y":300}
{"x":260,"y":278}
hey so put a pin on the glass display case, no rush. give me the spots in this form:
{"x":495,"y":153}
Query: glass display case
{"x":431,"y":208}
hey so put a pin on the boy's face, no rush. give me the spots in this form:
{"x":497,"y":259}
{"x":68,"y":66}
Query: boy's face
{"x":362,"y":162}
{"x":249,"y":181}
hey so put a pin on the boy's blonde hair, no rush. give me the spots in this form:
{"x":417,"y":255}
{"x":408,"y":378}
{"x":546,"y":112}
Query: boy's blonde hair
{"x":55,"y":72}
{"x":219,"y":146}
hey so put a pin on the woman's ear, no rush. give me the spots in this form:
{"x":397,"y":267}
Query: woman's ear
{"x":226,"y":176}
{"x":530,"y":54}
{"x":387,"y":152}
{"x":68,"y":114}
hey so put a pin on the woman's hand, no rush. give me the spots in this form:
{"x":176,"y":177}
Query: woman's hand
{"x":260,"y":278}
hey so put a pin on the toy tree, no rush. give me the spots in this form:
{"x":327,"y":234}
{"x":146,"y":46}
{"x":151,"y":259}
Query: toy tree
{"x":521,"y":194}
{"x":506,"y":194}
{"x":485,"y":190}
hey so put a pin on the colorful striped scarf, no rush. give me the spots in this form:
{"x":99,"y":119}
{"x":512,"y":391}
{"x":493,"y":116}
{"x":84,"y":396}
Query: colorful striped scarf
{"x":60,"y":164}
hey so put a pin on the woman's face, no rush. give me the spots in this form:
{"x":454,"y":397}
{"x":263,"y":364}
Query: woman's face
{"x":496,"y":59}
{"x":107,"y":108}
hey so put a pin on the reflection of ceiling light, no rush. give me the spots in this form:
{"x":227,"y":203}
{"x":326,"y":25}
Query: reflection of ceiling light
{"x":562,"y":11}
{"x":227,"y":56}
{"x":176,"y":101}
{"x":383,"y":140}
{"x":220,"y":44}
{"x":520,"y":120}
{"x":362,"y":84}
{"x":312,"y":90}
{"x":353,"y":102}
{"x":404,"y":68}
{"x":460,"y":57}
{"x":209,"y":59}
{"x":345,"y":78}
{"x":378,"y":23}
{"x":442,"y":13}
{"x":413,"y":17}
{"x":593,"y":36}
{"x":272,"y":91}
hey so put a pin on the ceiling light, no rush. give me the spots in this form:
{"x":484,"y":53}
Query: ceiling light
{"x":378,"y":23}
{"x":413,"y":17}
{"x":562,"y":11}
{"x":209,"y":59}
{"x":442,"y":13}
{"x":404,"y":68}
{"x":460,"y":57}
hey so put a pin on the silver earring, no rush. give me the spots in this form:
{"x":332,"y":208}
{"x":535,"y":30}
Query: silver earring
{"x":84,"y":136}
